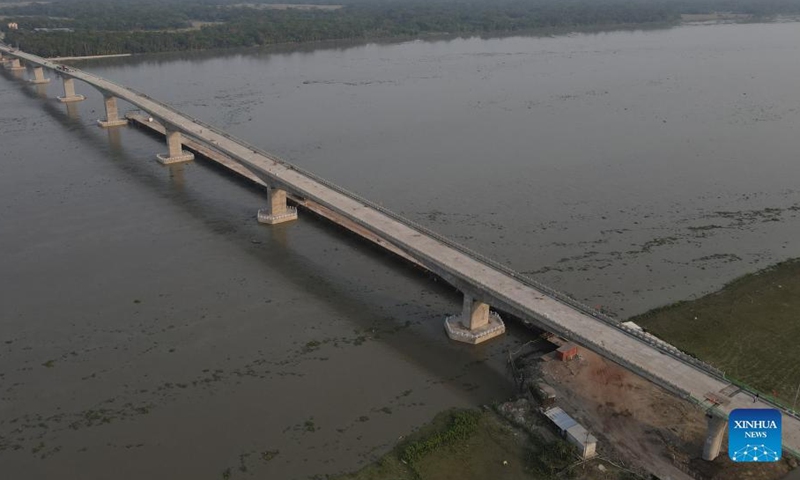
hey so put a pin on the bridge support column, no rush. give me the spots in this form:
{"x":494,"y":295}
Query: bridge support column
{"x":714,"y":437}
{"x":112,"y":114}
{"x":277,"y":210}
{"x":475,"y":324}
{"x":69,"y":92}
{"x":176,"y":153}
{"x":38,"y":76}
{"x":15,"y":66}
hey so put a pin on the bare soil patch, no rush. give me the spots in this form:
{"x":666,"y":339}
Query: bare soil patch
{"x":641,"y":425}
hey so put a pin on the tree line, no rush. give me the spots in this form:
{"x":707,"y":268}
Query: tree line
{"x":140,"y":26}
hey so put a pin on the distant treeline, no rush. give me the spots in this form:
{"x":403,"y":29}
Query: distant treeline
{"x":139,"y":26}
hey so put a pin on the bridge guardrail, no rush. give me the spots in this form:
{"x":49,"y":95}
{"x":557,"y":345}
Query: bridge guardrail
{"x":548,"y":291}
{"x":551,"y":292}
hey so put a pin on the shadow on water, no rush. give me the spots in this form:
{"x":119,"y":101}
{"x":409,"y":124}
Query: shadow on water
{"x":275,"y":250}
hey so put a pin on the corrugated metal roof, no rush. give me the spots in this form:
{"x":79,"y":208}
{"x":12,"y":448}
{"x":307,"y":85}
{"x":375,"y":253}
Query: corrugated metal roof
{"x":560,"y":418}
{"x":581,"y":434}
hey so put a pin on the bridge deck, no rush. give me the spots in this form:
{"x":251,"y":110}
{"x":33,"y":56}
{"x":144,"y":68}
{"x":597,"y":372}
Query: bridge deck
{"x":468,"y":271}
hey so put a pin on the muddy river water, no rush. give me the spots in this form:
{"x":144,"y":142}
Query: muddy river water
{"x":150,"y":328}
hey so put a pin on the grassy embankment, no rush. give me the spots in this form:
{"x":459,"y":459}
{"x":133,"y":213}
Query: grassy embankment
{"x":477,"y":445}
{"x":749,"y":329}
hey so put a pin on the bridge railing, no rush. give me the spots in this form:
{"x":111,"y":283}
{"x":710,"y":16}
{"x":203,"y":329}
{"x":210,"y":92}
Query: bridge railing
{"x":549,"y":291}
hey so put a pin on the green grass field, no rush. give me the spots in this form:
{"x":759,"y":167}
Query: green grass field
{"x":481,"y":445}
{"x":750,"y":329}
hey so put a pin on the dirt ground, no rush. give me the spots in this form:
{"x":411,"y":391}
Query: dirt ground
{"x":641,"y":430}
{"x":649,"y":428}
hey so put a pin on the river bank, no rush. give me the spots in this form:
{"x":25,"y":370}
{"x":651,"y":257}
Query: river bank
{"x":749,"y":329}
{"x":90,"y":57}
{"x":481,"y":444}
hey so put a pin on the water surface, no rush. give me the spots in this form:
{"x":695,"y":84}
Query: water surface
{"x":152,"y":328}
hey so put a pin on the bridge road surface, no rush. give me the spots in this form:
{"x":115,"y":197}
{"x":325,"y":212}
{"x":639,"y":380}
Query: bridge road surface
{"x":467,"y":272}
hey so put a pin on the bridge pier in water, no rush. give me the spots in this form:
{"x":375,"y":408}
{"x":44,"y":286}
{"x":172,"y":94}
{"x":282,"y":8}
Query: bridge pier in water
{"x":14,"y":65}
{"x":277,"y":210}
{"x":112,"y":114}
{"x":175,"y":152}
{"x":714,"y":437}
{"x":69,"y":92}
{"x":38,"y":77}
{"x":475,"y":324}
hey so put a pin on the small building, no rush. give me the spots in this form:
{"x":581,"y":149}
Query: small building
{"x":585,"y":441}
{"x":544,"y":394}
{"x":560,"y":419}
{"x":13,"y":26}
{"x":567,"y":352}
{"x":574,"y":432}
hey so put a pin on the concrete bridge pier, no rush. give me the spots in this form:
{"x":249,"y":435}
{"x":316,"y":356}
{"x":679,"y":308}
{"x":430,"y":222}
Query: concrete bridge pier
{"x":277,"y":210}
{"x":69,"y":92}
{"x":14,"y":65}
{"x":41,"y":90}
{"x":38,"y":76}
{"x":112,"y":114}
{"x":175,"y":153}
{"x":475,"y":324}
{"x":72,"y":111}
{"x":714,"y":437}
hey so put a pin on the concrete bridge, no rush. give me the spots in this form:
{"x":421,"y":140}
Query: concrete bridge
{"x":486,"y":284}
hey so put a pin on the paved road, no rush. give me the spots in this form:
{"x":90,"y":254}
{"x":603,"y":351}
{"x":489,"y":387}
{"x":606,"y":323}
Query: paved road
{"x":470,"y":272}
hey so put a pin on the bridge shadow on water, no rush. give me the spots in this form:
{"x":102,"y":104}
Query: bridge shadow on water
{"x":272,"y":248}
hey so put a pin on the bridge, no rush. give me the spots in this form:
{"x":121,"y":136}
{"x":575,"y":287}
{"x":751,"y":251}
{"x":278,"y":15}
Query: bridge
{"x":487,"y":286}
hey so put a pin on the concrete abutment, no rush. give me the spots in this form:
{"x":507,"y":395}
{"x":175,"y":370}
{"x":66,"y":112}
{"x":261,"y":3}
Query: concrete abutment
{"x":475,"y":324}
{"x":277,"y":210}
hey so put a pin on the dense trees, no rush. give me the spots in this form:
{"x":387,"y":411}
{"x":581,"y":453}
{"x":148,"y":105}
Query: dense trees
{"x":137,"y":26}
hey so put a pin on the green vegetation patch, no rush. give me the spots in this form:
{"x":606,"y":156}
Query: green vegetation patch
{"x":96,"y":27}
{"x":749,"y":329}
{"x":461,"y":426}
{"x":137,"y":26}
{"x":479,"y":445}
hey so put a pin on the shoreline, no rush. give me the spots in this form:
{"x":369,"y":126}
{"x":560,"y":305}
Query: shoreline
{"x":711,"y":328}
{"x":90,"y":57}
{"x":447,"y":36}
{"x":430,"y":36}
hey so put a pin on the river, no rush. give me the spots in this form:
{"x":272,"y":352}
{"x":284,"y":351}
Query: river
{"x":151,"y":328}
